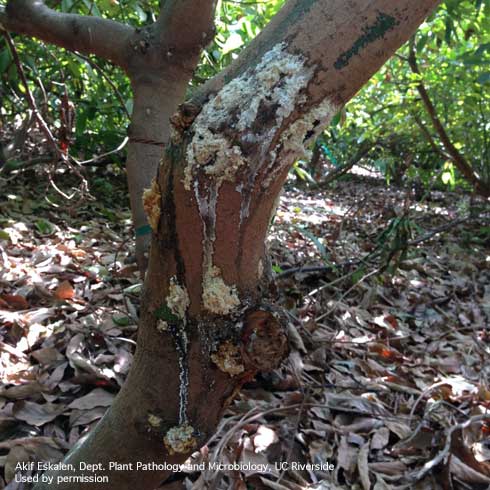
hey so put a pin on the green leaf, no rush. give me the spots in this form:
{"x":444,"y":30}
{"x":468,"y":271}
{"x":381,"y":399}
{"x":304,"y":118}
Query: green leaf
{"x":44,"y":227}
{"x":5,"y":59}
{"x":164,"y":313}
{"x":133,"y":289}
{"x":121,"y":321}
{"x":449,"y":30}
{"x":358,"y":275}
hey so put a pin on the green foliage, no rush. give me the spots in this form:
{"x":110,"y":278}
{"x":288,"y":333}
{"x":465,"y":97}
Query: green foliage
{"x":237,"y":23}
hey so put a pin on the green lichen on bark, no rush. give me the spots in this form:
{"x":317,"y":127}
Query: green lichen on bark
{"x":383,"y":24}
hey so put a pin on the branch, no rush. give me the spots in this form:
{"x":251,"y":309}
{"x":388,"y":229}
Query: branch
{"x":459,"y":160}
{"x":429,"y":138}
{"x":88,"y":35}
{"x":348,"y":47}
{"x":29,"y":97}
{"x":186,"y":26}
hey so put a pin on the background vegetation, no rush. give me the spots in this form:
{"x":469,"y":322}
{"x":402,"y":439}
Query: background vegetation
{"x":387,"y":119}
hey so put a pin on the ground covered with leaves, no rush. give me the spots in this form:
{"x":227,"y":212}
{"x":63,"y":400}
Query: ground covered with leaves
{"x":387,"y":385}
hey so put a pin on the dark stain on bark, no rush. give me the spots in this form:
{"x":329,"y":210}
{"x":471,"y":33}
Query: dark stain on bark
{"x":75,"y":27}
{"x":383,"y":24}
{"x":266,"y":116}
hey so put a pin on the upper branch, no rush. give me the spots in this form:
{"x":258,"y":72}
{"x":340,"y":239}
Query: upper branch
{"x":186,"y":26}
{"x":89,"y":35}
{"x":346,"y":42}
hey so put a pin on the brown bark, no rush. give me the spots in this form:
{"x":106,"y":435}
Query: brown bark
{"x":207,"y":322}
{"x":88,"y":35}
{"x":456,"y":156}
{"x":154,"y":102}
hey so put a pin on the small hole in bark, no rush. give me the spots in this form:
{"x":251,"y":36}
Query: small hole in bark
{"x":308,"y":135}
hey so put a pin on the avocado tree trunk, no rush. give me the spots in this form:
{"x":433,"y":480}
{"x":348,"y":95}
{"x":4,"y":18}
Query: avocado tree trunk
{"x":155,"y":100}
{"x":208,"y":320}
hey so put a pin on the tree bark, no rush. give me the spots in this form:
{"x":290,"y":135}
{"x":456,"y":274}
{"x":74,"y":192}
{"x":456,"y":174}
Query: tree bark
{"x":88,"y":35}
{"x":207,"y":319}
{"x":154,"y":103}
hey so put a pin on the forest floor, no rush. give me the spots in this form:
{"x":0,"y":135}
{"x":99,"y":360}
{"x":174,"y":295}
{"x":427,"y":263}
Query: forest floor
{"x":387,"y":384}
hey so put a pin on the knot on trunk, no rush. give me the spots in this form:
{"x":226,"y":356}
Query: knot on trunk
{"x":264,"y":339}
{"x":182,"y":120}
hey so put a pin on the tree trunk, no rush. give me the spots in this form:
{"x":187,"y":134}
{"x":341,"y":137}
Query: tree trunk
{"x":207,"y":320}
{"x":154,"y":103}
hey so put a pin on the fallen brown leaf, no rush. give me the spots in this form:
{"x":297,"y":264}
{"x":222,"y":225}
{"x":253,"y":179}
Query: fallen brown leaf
{"x":64,"y":291}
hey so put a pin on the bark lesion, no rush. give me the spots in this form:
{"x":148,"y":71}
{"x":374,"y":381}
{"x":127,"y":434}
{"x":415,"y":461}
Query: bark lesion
{"x":151,"y":204}
{"x":260,"y":345}
{"x":180,"y":439}
{"x":228,"y":358}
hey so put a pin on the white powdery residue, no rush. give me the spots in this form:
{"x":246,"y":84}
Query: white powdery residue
{"x":182,"y":344}
{"x":294,"y":140}
{"x":177,"y":299}
{"x":180,"y":439}
{"x":217,"y":296}
{"x":154,"y":421}
{"x":178,"y":302}
{"x":276,"y":83}
{"x":162,"y":326}
{"x":260,"y":268}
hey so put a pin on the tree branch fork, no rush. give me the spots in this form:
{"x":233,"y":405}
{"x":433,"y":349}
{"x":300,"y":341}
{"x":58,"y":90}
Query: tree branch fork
{"x":168,"y":41}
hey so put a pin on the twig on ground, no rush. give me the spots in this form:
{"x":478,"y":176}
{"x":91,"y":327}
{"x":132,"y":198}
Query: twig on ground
{"x":375,"y":254}
{"x":442,"y":455}
{"x":421,"y":397}
{"x":366,"y":276}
